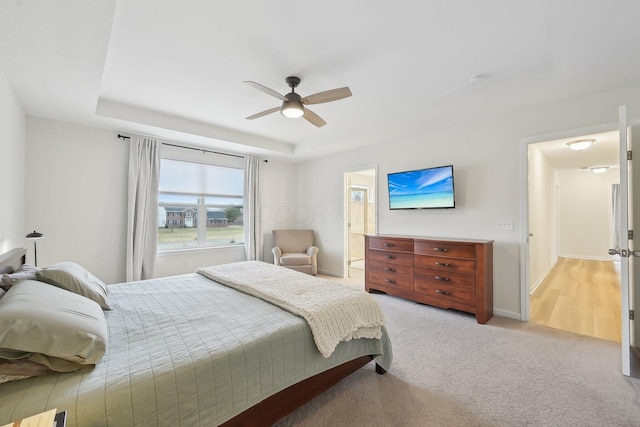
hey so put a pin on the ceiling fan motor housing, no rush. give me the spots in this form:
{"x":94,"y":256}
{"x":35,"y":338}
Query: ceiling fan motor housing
{"x":292,"y":107}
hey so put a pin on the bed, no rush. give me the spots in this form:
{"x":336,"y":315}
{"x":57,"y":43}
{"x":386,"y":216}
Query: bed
{"x":187,"y":350}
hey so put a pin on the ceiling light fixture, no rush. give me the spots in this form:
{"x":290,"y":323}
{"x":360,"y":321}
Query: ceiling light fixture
{"x":599,"y":169}
{"x":292,"y":109}
{"x":581,"y":144}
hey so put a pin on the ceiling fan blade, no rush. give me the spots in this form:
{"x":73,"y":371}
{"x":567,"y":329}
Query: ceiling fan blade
{"x":264,"y":113}
{"x":266,"y":90}
{"x":313,"y":118}
{"x":327,"y":96}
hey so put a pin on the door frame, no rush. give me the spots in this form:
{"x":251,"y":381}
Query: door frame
{"x":524,"y":199}
{"x":347,"y":201}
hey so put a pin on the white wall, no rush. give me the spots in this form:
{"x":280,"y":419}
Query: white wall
{"x":485,"y":155}
{"x":278,"y":188}
{"x":77,"y":194}
{"x":12,"y":169}
{"x":585,"y":218}
{"x":543,"y":216}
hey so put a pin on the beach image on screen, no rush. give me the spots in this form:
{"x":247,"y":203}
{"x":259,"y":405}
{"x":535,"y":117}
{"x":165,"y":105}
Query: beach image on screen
{"x":425,"y":188}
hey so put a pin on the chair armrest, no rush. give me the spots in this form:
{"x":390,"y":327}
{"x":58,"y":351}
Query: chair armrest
{"x":312,"y":251}
{"x":277,"y":253}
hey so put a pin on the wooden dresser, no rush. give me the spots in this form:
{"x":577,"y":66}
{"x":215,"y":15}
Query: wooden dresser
{"x":446,"y":273}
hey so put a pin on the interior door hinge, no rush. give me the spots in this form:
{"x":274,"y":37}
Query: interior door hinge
{"x":631,"y":314}
{"x":629,"y":156}
{"x":630,"y":234}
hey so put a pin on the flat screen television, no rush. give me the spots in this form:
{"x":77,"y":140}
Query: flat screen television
{"x":429,"y":188}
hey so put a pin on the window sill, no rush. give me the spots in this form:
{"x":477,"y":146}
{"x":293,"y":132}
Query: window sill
{"x":204,"y":249}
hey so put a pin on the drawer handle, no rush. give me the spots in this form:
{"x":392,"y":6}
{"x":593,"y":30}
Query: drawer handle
{"x":393,"y":270}
{"x":442,"y":264}
{"x":438,"y":291}
{"x":441,"y":249}
{"x":393,"y":282}
{"x":444,"y":279}
{"x":388,"y":245}
{"x":390,"y":257}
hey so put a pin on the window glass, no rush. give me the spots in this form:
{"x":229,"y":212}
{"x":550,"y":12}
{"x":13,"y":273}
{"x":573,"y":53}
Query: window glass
{"x":200,"y":205}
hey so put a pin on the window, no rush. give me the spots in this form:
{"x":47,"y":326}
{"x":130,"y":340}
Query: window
{"x":199,"y":205}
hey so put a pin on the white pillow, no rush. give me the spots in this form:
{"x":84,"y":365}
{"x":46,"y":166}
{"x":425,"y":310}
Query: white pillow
{"x":51,"y":326}
{"x":72,"y":277}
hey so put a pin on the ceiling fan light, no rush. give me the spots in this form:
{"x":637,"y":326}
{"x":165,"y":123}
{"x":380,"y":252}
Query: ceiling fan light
{"x":581,"y":144}
{"x":292,"y":110}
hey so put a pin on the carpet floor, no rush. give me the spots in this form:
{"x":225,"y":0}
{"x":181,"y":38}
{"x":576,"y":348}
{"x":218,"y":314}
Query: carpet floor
{"x":450,"y":371}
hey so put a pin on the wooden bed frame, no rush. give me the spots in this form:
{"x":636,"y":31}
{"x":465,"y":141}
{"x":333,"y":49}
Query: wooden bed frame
{"x":273,"y":408}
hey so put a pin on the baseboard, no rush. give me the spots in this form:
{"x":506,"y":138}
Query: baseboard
{"x":505,"y":313}
{"x":539,"y":281}
{"x":328,"y":273}
{"x":590,"y":258}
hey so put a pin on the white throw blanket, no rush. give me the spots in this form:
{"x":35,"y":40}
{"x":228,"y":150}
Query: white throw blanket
{"x":334,"y":312}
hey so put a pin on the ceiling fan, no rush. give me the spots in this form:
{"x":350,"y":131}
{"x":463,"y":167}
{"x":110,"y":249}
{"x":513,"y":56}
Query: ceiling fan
{"x":293,"y":104}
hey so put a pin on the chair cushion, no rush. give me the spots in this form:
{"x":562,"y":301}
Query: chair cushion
{"x":295,"y":259}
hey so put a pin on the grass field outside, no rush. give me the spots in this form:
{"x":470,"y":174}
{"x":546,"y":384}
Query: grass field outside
{"x":176,"y":238}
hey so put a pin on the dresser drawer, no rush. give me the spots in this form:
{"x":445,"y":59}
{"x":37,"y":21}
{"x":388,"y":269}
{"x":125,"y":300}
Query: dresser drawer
{"x":454,"y":265}
{"x":445,"y":249}
{"x":391,"y":257}
{"x":440,"y":278}
{"x":456,"y":288}
{"x":398,"y":245}
{"x":399,"y":276}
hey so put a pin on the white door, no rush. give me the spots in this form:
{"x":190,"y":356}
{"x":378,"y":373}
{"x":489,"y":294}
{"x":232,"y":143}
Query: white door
{"x":625,"y":250}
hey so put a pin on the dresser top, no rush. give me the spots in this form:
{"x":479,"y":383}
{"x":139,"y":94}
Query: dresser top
{"x":430,"y":238}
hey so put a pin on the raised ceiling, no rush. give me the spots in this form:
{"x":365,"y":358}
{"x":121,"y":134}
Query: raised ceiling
{"x":174,"y":69}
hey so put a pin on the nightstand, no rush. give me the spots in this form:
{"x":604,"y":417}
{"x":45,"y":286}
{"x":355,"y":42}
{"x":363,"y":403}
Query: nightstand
{"x":44,"y":419}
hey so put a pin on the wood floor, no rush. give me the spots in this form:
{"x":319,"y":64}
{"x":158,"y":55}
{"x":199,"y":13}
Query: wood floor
{"x":581,"y":296}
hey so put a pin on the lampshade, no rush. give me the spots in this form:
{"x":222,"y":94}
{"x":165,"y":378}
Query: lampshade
{"x":34,"y":235}
{"x":599,"y":169}
{"x":292,"y":109}
{"x":581,"y":144}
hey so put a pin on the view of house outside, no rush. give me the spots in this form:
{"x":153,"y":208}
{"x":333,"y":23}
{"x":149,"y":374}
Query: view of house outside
{"x":178,"y":227}
{"x":199,"y":206}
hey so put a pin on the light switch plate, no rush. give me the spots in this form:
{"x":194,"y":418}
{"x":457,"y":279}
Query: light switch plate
{"x":504,"y":225}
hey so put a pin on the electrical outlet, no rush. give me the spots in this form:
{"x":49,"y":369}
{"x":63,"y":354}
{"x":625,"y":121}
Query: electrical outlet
{"x":504,"y":225}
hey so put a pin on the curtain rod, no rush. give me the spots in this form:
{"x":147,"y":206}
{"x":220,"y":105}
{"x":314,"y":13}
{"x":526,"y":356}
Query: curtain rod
{"x":193,"y":148}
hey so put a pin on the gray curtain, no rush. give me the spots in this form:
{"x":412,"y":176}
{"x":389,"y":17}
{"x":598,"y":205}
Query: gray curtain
{"x":142,"y":213}
{"x":252,"y":230}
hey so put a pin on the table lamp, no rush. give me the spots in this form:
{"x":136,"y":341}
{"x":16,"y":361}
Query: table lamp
{"x":35,"y":236}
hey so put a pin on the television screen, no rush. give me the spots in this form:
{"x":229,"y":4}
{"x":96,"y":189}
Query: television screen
{"x":428,"y":188}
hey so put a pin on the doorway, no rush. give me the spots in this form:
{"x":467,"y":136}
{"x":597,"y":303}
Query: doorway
{"x":573,"y":282}
{"x":360,"y":219}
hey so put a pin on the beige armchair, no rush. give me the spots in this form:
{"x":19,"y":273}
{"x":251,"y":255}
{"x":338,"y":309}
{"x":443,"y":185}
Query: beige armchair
{"x":294,"y":249}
